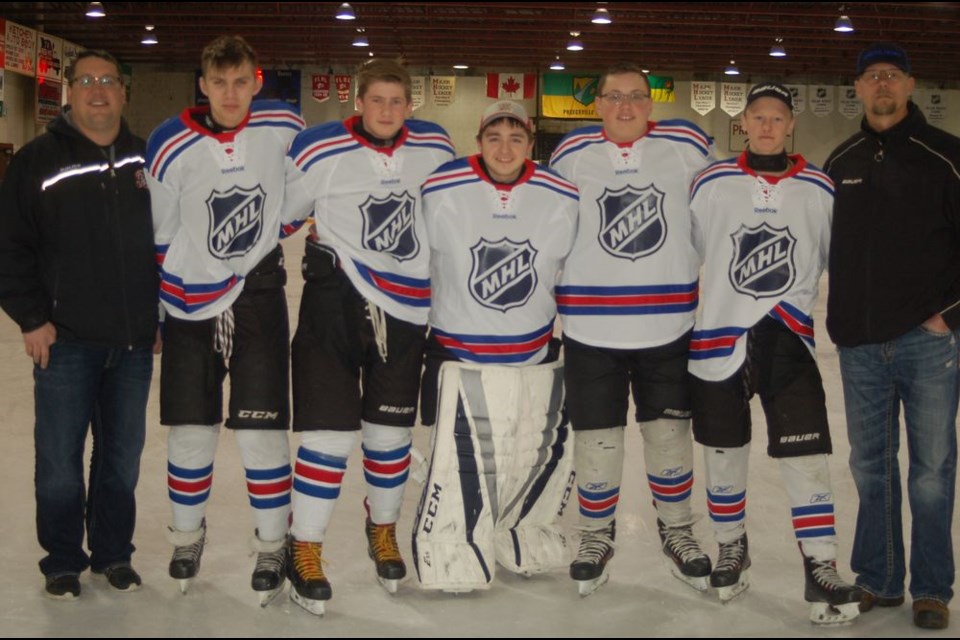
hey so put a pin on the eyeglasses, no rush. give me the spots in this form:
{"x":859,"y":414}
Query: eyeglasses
{"x":88,"y":81}
{"x":617,"y":98}
{"x":887,"y":75}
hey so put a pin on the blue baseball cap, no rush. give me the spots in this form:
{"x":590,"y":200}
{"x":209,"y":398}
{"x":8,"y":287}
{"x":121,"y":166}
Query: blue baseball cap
{"x":883,"y":52}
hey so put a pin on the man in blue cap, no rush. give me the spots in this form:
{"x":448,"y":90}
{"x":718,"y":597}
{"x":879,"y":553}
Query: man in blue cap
{"x":894,"y":311}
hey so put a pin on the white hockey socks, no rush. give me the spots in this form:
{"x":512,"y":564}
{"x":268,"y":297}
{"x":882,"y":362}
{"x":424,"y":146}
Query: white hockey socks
{"x":668,"y":458}
{"x":266,"y":461}
{"x":727,"y":490}
{"x":807,"y":481}
{"x":386,"y":467}
{"x":598,"y":461}
{"x":190,"y":451}
{"x":318,"y":474}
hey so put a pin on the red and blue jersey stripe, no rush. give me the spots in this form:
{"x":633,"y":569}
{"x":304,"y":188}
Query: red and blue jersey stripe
{"x":547,"y":179}
{"x":716,"y":170}
{"x":427,"y":134}
{"x":627,"y":301}
{"x":452,"y":174}
{"x":318,"y":475}
{"x":189,"y":298}
{"x":797,"y":321}
{"x":169,"y":140}
{"x":323,"y":141}
{"x":413,"y":292}
{"x":576,"y":141}
{"x":714,"y":343}
{"x":490,"y":349}
{"x":274,"y":113}
{"x":681,"y":131}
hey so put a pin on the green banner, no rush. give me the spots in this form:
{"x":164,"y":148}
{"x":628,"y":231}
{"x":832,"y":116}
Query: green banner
{"x":567,"y":95}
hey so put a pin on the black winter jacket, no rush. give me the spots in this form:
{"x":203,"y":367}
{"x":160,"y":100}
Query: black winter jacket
{"x":76,"y":239}
{"x":895,"y":245}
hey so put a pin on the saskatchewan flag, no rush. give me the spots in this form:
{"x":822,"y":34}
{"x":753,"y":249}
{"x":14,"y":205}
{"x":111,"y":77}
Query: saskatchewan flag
{"x":566,"y":95}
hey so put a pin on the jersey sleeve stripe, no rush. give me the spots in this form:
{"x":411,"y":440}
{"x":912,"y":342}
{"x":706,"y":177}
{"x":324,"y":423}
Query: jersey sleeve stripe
{"x":169,"y":151}
{"x":414,"y":292}
{"x":575,"y":143}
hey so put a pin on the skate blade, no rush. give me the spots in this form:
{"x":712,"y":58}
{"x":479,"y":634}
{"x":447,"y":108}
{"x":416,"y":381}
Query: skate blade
{"x":184,"y":585}
{"x":266,"y":597}
{"x":586,"y":587}
{"x":458,"y":590}
{"x":388,"y":584}
{"x":699,"y":584}
{"x":316,"y":607}
{"x":726,"y":594}
{"x":823,"y":613}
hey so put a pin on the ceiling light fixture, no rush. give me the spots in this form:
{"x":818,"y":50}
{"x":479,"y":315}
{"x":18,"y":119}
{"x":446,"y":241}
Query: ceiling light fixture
{"x":732,"y":69}
{"x":557,"y":65}
{"x":95,"y":10}
{"x":360,"y":40}
{"x":777,"y":50}
{"x":461,"y":66}
{"x":843,"y":23}
{"x":601,"y":16}
{"x":575,"y":44}
{"x":149,"y":37}
{"x":345,"y":12}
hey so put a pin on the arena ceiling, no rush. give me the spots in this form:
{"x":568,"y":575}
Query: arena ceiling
{"x":698,"y":37}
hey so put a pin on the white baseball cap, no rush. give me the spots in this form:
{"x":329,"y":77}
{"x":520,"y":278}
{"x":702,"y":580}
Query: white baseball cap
{"x":506,"y":109}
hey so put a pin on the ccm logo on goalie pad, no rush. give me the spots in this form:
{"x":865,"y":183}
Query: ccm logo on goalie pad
{"x":236,"y":221}
{"x":258,"y":415}
{"x":502,"y":274}
{"x":433,"y":507}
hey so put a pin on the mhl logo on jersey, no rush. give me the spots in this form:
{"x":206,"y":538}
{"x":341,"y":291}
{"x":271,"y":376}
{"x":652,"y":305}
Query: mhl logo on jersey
{"x":236,"y":220}
{"x":388,"y":225}
{"x":632,"y":224}
{"x":762,"y":264}
{"x":502,"y":274}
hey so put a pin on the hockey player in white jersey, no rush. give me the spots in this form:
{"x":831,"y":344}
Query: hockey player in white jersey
{"x":216,"y":179}
{"x":363,"y":311}
{"x":761,"y":225}
{"x":627,"y":300}
{"x":500,"y":228}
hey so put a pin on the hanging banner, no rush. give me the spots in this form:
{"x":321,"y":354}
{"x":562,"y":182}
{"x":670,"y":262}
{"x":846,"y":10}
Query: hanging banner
{"x":320,"y":87}
{"x":821,"y":98}
{"x":21,"y":49}
{"x":934,"y":104}
{"x":703,"y":97}
{"x":799,"y":92}
{"x":49,"y":57}
{"x":418,"y":91}
{"x":566,"y":95}
{"x":343,"y":82}
{"x":442,"y":88}
{"x":733,"y":97}
{"x":848,"y":104}
{"x":661,"y":88}
{"x":512,"y":86}
{"x":48,"y":100}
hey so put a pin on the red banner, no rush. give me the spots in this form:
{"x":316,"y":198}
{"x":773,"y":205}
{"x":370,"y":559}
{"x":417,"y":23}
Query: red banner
{"x":321,"y":87}
{"x":343,"y":83}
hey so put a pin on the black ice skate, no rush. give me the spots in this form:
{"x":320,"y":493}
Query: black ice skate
{"x":730,"y":576}
{"x":270,"y":571}
{"x":385,"y":553}
{"x":188,"y":549}
{"x":596,"y":549}
{"x":690,"y":564}
{"x":309,"y":588}
{"x":833,"y":600}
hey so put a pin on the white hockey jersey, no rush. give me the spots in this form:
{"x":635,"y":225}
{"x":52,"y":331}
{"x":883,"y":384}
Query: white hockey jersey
{"x":496,"y":252}
{"x":631,"y":279}
{"x":217,"y":201}
{"x":764,"y":242}
{"x":366,"y":205}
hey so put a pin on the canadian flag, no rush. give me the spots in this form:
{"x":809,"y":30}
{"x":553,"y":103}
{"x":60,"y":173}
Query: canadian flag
{"x":515,"y":86}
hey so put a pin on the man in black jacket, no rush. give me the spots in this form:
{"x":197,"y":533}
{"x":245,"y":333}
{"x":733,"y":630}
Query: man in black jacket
{"x":894,"y":311}
{"x":77,"y":274}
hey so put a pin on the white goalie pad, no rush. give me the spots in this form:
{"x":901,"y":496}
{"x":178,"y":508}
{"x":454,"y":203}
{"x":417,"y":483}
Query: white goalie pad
{"x":499,"y":472}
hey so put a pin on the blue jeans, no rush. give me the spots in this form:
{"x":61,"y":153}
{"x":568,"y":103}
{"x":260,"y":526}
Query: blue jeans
{"x":106,"y":389}
{"x":920,"y":370}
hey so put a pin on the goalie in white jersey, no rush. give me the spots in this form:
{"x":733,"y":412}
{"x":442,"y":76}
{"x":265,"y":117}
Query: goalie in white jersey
{"x":500,"y":228}
{"x":217,"y":180}
{"x":363,"y":311}
{"x":761,"y":224}
{"x":627,"y":300}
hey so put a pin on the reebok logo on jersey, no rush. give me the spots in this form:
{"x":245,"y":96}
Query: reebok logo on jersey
{"x":722,"y":489}
{"x":502,"y":275}
{"x":596,"y":486}
{"x":762,"y":264}
{"x":388,"y":225}
{"x":820,"y":497}
{"x":852,"y":181}
{"x":632,"y":223}
{"x":670,"y":473}
{"x":236,"y":221}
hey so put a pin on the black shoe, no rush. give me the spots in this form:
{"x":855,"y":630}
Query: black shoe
{"x":65,"y":586}
{"x":121,"y":577}
{"x":930,"y":614}
{"x":869,"y":601}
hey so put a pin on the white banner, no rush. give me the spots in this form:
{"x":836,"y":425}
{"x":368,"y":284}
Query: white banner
{"x":21,"y":49}
{"x":849,"y":104}
{"x":418,"y":86}
{"x":821,"y":100}
{"x":443,"y":88}
{"x":934,"y":104}
{"x":799,"y":92}
{"x":703,"y":97}
{"x":49,"y":57}
{"x":733,"y":97}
